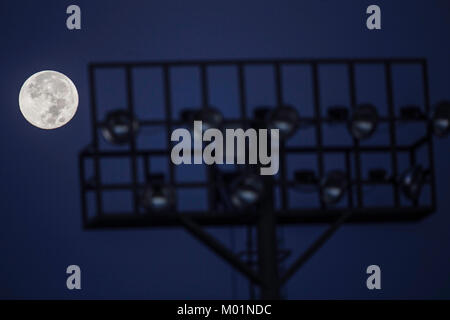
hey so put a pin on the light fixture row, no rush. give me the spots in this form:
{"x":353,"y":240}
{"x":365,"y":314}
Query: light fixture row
{"x":335,"y":184}
{"x":241,"y":191}
{"x":119,"y":125}
{"x":246,"y":190}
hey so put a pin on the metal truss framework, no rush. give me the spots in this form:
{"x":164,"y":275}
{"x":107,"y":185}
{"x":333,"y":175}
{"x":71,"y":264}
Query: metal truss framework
{"x":266,"y":216}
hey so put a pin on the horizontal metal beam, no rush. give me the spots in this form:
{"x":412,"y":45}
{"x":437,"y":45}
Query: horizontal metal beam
{"x":292,"y":150}
{"x":300,"y":216}
{"x":198,"y":184}
{"x":303,"y":121}
{"x":171,"y":63}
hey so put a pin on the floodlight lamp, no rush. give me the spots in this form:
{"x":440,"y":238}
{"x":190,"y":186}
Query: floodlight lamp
{"x":119,"y":126}
{"x":157,"y":196}
{"x":411,"y":182}
{"x":210,"y":117}
{"x":284,"y":118}
{"x":364,"y":121}
{"x":333,"y":186}
{"x":441,"y":119}
{"x":246,"y":190}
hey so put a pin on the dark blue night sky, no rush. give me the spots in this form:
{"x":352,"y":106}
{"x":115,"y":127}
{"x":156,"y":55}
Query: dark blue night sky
{"x":40,"y":225}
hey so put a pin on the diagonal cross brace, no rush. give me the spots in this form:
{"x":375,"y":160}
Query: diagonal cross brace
{"x":219,"y":249}
{"x":297,"y":264}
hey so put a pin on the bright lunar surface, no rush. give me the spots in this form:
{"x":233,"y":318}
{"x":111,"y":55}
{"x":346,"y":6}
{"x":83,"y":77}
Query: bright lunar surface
{"x":48,"y":99}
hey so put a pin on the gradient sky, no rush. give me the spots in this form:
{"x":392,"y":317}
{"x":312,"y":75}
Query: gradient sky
{"x":40,"y":229}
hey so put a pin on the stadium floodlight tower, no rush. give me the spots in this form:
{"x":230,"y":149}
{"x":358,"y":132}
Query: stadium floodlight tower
{"x":243,"y":197}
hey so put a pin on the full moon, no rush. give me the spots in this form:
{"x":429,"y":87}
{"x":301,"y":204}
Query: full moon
{"x":48,"y":99}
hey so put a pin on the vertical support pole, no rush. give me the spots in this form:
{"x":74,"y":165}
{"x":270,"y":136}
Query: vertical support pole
{"x":352,"y":88}
{"x":232,"y":273}
{"x":168,"y":110}
{"x":243,"y":101}
{"x":426,"y":96}
{"x":95,"y":147}
{"x":250,"y":259}
{"x":130,"y":101}
{"x":81,"y":159}
{"x":243,"y":112}
{"x":392,"y":131}
{"x":242,"y":95}
{"x":349,"y":179}
{"x":204,"y":85}
{"x":146,"y":165}
{"x":267,"y":245}
{"x":211,"y":170}
{"x":412,"y":163}
{"x":318,"y":122}
{"x":279,"y":95}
